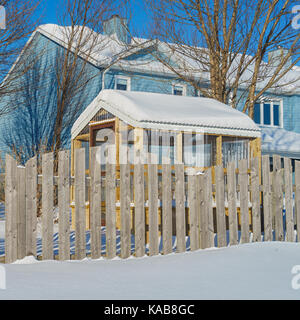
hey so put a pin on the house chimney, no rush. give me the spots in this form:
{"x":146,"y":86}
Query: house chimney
{"x":118,"y":26}
{"x":275,"y":57}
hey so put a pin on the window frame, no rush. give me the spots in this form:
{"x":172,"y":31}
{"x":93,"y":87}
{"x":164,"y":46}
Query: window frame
{"x":272,"y":102}
{"x":184,"y":88}
{"x":128,"y":79}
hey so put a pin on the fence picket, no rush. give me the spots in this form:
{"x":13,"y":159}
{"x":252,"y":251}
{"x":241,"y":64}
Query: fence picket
{"x":297,"y":197}
{"x":110,"y":200}
{"x":266,"y":175}
{"x":125,"y":210}
{"x":180,"y":207}
{"x":95,"y":202}
{"x":11,"y":201}
{"x":153,"y":209}
{"x":277,"y":198}
{"x":244,"y":200}
{"x":288,"y":190}
{"x":232,"y":207}
{"x":192,"y":201}
{"x":208,"y":204}
{"x":220,"y":203}
{"x":166,"y":208}
{"x":80,"y":219}
{"x":21,"y":222}
{"x":31,"y":206}
{"x":47,"y":206}
{"x":64,"y":205}
{"x":255,"y":199}
{"x":203,"y":223}
{"x":139,"y":204}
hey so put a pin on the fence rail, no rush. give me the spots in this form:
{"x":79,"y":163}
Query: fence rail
{"x":147,"y":209}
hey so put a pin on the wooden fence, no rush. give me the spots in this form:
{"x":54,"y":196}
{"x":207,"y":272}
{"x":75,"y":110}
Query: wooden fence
{"x":154,"y":209}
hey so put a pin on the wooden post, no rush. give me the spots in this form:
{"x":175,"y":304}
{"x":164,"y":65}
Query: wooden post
{"x":11,"y":207}
{"x":244,"y":200}
{"x":277,"y":198}
{"x":80,"y":218}
{"x":288,"y":190}
{"x":220,"y":202}
{"x":75,"y":144}
{"x":125,"y":210}
{"x":180,"y":208}
{"x":268,"y":233}
{"x":232,"y":207}
{"x":21,"y":222}
{"x":31,"y":206}
{"x":47,"y":206}
{"x":64,"y":204}
{"x":219,"y":151}
{"x":153,"y":209}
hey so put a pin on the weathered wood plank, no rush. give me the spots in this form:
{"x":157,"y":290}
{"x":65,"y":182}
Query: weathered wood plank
{"x":110,"y":195}
{"x":95,"y":202}
{"x":166,"y":208}
{"x":255,"y":199}
{"x":47,"y":206}
{"x":31,"y":206}
{"x":277,"y":198}
{"x":220,"y":206}
{"x":153,"y":209}
{"x":80,"y":219}
{"x":21,"y":214}
{"x":203,"y":217}
{"x":208,"y":203}
{"x":125,"y":211}
{"x":192,"y":202}
{"x":297,"y":197}
{"x":139,"y":204}
{"x":232,"y":206}
{"x":11,"y":207}
{"x":268,"y":232}
{"x":244,"y":200}
{"x":180,"y":208}
{"x":288,"y":190}
{"x":64,"y":205}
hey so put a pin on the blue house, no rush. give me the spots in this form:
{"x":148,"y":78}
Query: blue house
{"x":120,"y":66}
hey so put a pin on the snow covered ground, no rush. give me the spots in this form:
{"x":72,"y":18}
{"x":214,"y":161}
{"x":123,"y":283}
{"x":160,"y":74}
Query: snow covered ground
{"x":250,"y":271}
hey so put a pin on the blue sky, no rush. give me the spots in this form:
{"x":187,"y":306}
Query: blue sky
{"x":49,"y":8}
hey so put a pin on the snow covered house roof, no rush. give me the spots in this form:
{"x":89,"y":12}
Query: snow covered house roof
{"x":169,"y":112}
{"x":281,"y":142}
{"x":109,"y":51}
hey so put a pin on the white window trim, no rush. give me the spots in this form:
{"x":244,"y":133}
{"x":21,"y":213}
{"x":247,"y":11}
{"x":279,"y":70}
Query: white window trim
{"x":271,"y":102}
{"x":128,"y":79}
{"x":184,"y":88}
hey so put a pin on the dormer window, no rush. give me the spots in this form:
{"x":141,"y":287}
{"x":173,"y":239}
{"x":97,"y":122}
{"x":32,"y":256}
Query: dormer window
{"x":268,"y":113}
{"x":122,"y":83}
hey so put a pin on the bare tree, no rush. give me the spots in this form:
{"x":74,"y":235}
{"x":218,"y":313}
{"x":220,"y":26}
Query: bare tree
{"x":21,"y":18}
{"x":221,"y":46}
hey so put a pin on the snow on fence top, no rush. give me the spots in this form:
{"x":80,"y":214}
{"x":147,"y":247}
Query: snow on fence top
{"x":163,"y":111}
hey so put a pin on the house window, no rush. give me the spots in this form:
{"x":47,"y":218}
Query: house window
{"x":122,"y":83}
{"x":179,"y":90}
{"x":268,"y":113}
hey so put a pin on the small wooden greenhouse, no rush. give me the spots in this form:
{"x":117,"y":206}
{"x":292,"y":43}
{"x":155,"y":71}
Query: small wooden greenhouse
{"x":166,"y":129}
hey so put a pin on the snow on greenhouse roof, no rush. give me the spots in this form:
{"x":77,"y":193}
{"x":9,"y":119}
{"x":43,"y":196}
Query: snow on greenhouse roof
{"x":162,"y":111}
